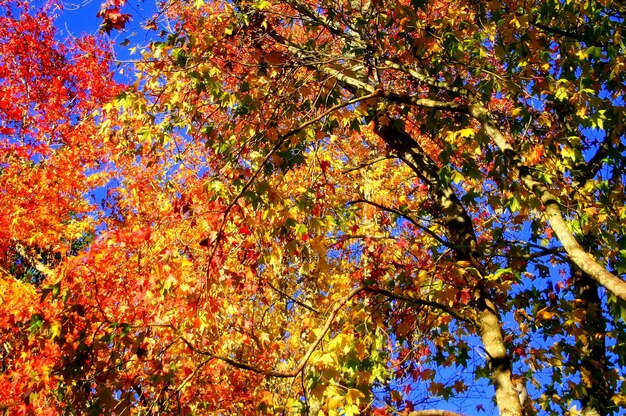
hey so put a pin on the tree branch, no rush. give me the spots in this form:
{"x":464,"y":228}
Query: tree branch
{"x":551,"y":207}
{"x":434,"y":412}
{"x":366,"y":164}
{"x":266,"y":159}
{"x":39,"y":266}
{"x":405,"y":216}
{"x":572,"y":35}
{"x":424,"y":102}
{"x":588,"y":170}
{"x":458,"y":222}
{"x":450,"y":311}
{"x":426,"y":79}
{"x":294,"y":300}
{"x":320,"y":19}
{"x":305,"y":359}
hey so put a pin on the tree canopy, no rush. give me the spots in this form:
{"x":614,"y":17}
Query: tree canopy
{"x":315,"y":207}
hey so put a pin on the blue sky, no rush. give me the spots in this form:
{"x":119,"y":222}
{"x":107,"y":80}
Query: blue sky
{"x":79,"y":18}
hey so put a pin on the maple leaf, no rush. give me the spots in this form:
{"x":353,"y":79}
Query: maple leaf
{"x":113,"y":18}
{"x":353,"y":195}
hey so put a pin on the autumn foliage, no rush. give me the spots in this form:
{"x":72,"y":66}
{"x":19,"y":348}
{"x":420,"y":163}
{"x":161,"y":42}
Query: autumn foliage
{"x":320,"y":207}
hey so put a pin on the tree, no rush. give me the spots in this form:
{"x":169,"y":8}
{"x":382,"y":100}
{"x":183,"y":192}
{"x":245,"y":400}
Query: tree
{"x":48,"y":164}
{"x":347,"y":207}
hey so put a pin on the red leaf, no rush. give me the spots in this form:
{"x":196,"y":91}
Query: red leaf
{"x":113,"y":18}
{"x":464,"y":296}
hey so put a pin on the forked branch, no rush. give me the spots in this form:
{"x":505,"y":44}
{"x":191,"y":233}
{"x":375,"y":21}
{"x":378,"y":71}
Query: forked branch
{"x":551,"y":207}
{"x":282,"y":139}
{"x":303,"y":361}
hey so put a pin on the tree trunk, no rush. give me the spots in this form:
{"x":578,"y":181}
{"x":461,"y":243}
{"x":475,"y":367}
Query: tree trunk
{"x":507,"y":398}
{"x":462,"y":237}
{"x":592,"y":361}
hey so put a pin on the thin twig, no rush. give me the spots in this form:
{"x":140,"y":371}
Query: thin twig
{"x":405,"y":216}
{"x":450,"y":311}
{"x":291,"y":298}
{"x":305,"y":359}
{"x":274,"y":149}
{"x":366,"y":164}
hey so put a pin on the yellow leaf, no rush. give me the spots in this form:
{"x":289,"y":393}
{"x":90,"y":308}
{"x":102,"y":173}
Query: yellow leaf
{"x":335,"y":402}
{"x":326,"y":360}
{"x":466,"y":133}
{"x":264,"y":338}
{"x":544,"y":314}
{"x":354,"y":396}
{"x":55,"y":330}
{"x":350,"y":410}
